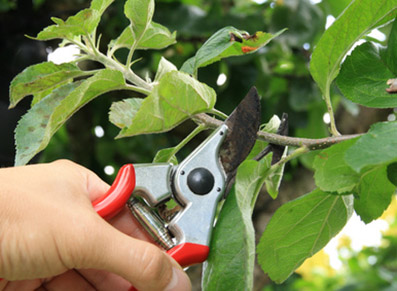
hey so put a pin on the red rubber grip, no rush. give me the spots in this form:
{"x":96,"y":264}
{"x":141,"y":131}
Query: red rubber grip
{"x":117,"y":196}
{"x":188,"y":254}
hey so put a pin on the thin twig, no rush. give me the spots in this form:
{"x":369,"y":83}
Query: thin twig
{"x":311,"y":144}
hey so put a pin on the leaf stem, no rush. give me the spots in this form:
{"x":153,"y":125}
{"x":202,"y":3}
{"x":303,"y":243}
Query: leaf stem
{"x":195,"y":132}
{"x":128,"y":74}
{"x":327,"y":99}
{"x":296,"y":153}
{"x":138,"y":89}
{"x":218,"y":113}
{"x":191,"y":135}
{"x":90,"y":41}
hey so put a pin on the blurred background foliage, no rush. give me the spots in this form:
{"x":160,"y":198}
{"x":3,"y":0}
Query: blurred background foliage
{"x":279,"y":71}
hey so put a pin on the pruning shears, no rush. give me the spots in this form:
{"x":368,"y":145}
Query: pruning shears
{"x":197,"y":185}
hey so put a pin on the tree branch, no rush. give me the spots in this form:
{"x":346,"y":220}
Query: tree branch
{"x":311,"y":144}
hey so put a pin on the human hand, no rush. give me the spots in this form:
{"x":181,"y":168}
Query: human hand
{"x":49,"y":230}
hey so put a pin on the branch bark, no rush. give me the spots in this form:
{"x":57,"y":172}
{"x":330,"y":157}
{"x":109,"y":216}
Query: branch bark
{"x":310,"y":143}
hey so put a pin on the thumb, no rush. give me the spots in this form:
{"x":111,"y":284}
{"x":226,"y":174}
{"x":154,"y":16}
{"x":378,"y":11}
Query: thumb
{"x":143,"y":264}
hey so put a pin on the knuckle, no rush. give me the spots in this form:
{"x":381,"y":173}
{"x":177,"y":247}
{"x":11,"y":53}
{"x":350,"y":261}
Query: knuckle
{"x":156,"y":268}
{"x":63,"y":163}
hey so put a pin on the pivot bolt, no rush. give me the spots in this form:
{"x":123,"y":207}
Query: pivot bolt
{"x":200,"y":181}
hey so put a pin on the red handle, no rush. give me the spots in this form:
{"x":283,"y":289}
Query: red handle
{"x":117,"y":196}
{"x":188,"y":254}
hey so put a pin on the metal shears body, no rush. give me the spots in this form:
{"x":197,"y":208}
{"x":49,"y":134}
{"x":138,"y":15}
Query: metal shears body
{"x":197,"y":185}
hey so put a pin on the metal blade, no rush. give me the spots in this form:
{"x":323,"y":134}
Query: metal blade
{"x":243,"y":126}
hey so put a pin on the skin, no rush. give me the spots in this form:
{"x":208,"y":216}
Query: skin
{"x":52,"y":239}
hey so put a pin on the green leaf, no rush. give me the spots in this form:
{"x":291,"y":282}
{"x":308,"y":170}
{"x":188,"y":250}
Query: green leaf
{"x":363,"y":78}
{"x":123,"y":112}
{"x":231,"y":260}
{"x":377,"y":147}
{"x":299,"y":229}
{"x":389,"y":55}
{"x":125,"y":40}
{"x":227,"y":42}
{"x":140,"y":13}
{"x":335,"y":7}
{"x":100,"y":5}
{"x":166,"y":156}
{"x":163,"y":68}
{"x":345,"y":31}
{"x":274,"y":177}
{"x":84,"y":22}
{"x":375,"y":194}
{"x":155,"y":36}
{"x":102,"y":82}
{"x":31,"y":128}
{"x":272,"y":125}
{"x":40,"y":95}
{"x":332,"y":174}
{"x":40,"y":77}
{"x":175,"y":98}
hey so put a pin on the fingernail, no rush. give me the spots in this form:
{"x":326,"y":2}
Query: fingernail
{"x":179,"y":282}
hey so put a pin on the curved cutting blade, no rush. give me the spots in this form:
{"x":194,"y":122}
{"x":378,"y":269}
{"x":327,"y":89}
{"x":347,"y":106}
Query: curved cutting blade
{"x":243,"y":126}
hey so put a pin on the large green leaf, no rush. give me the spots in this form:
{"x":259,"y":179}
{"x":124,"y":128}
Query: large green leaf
{"x":140,"y":13}
{"x":100,"y":5}
{"x":31,"y":129}
{"x":275,"y":175}
{"x":363,"y":77}
{"x":155,"y":36}
{"x":164,"y":67}
{"x":335,"y":7}
{"x":345,"y":31}
{"x":102,"y":82}
{"x":84,"y":22}
{"x":166,"y":156}
{"x":122,"y":112}
{"x":175,"y":98}
{"x":332,"y":174}
{"x":389,"y":55}
{"x":227,"y":42}
{"x":375,"y":192}
{"x":377,"y":147}
{"x":231,"y":260}
{"x":299,"y":229}
{"x":40,"y":77}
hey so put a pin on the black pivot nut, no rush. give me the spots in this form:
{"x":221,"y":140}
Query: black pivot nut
{"x":200,"y":181}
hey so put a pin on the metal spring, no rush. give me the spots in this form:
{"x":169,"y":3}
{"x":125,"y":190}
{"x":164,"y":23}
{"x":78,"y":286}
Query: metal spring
{"x":151,"y":223}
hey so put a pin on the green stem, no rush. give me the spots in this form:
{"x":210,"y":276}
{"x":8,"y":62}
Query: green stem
{"x":195,"y":132}
{"x":218,"y":113}
{"x":89,"y":40}
{"x":296,"y":153}
{"x":327,"y":99}
{"x":138,"y":89}
{"x":127,"y":73}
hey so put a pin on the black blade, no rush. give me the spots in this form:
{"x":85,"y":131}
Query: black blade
{"x":243,"y":126}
